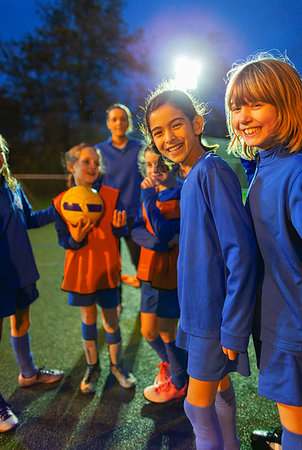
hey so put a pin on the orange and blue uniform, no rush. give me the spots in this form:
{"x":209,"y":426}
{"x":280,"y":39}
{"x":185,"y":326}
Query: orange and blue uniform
{"x":154,"y":227}
{"x":93,"y":264}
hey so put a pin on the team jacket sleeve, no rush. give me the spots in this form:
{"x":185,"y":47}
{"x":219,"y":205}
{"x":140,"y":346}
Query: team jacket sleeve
{"x":39,"y":218}
{"x":64,"y":237}
{"x":223,"y":194}
{"x":249,"y":168}
{"x":163,"y":228}
{"x":144,"y":238}
{"x":295,"y":204}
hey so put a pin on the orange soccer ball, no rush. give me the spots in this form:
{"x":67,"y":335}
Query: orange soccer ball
{"x":81,"y":202}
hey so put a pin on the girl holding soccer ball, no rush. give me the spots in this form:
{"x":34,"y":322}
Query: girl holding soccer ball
{"x":92,"y":265}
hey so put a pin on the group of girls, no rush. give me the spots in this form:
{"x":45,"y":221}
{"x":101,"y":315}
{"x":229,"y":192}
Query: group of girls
{"x":239,"y":269}
{"x":220,"y":271}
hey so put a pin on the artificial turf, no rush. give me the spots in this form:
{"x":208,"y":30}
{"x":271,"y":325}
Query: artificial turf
{"x":60,"y":417}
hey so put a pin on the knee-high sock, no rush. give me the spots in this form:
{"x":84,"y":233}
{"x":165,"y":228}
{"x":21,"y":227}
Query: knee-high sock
{"x":23,"y":355}
{"x":89,"y":332}
{"x":159,"y":347}
{"x":225,"y":405}
{"x":205,"y":425}
{"x":291,"y":440}
{"x":177,"y":359}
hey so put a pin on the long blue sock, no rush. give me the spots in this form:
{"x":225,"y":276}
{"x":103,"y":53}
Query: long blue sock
{"x":159,"y":347}
{"x":177,"y":359}
{"x":23,"y":355}
{"x":89,"y":332}
{"x":291,"y":440}
{"x":225,"y":406}
{"x":205,"y":425}
{"x":113,"y":338}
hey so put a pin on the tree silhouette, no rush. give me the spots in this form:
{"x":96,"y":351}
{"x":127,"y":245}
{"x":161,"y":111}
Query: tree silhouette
{"x":66,"y":72}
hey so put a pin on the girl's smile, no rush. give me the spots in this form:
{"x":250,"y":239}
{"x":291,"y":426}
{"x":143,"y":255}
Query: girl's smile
{"x":175,"y":135}
{"x":151,"y":160}
{"x":86,"y":168}
{"x":255,"y":123}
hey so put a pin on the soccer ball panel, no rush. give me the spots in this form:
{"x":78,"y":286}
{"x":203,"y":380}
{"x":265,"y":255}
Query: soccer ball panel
{"x":81,"y":202}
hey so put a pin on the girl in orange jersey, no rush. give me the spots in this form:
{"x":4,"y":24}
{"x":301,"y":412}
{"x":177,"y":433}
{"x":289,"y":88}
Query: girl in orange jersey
{"x":156,"y":230}
{"x":90,"y":278}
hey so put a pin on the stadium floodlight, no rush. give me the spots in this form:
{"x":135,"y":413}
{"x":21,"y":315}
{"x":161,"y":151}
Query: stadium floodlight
{"x":186,"y":73}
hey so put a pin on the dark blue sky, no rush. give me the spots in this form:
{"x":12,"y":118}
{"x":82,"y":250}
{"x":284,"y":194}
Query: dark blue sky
{"x":216,"y":32}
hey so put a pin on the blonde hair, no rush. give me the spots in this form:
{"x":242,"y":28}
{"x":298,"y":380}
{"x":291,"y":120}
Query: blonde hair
{"x":163,"y":166}
{"x":73,"y":155}
{"x":268,"y":79}
{"x":10,"y":180}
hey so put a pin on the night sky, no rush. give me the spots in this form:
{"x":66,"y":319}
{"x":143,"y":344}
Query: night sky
{"x":217,"y":32}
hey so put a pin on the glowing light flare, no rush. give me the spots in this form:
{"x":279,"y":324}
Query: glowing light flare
{"x":186,"y":73}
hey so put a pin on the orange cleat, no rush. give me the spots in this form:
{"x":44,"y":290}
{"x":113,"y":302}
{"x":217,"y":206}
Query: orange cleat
{"x":131,"y":280}
{"x":165,"y":392}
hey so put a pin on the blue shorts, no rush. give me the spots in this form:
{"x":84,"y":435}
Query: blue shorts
{"x":163,"y":303}
{"x":105,"y":298}
{"x":206,"y":360}
{"x":280,"y":374}
{"x":19,"y":299}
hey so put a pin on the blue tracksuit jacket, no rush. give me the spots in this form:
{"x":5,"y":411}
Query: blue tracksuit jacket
{"x":17,"y":264}
{"x":274,"y":202}
{"x":217,"y":260}
{"x":164,"y":229}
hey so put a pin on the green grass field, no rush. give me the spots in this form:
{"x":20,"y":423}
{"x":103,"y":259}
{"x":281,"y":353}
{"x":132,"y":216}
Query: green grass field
{"x":63,"y":418}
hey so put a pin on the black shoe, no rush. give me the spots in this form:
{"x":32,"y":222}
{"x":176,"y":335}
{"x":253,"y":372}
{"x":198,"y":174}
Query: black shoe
{"x":261,"y":439}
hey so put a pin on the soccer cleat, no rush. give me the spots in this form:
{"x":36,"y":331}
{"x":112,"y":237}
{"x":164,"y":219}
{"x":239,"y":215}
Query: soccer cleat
{"x":90,"y":379}
{"x":123,"y":376}
{"x":42,"y":376}
{"x":131,"y":280}
{"x":8,"y":420}
{"x":164,"y":392}
{"x":263,"y":439}
{"x":163,"y":374}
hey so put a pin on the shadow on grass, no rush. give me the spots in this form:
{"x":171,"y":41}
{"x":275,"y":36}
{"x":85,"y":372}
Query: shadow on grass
{"x":60,"y":416}
{"x":171,"y":426}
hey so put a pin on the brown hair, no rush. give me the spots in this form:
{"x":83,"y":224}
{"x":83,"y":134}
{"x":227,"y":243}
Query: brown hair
{"x":126,"y":110}
{"x":181,"y":100}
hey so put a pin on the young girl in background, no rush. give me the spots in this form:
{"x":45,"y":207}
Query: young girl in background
{"x":90,"y":278}
{"x":18,"y":276}
{"x":120,"y":158}
{"x":156,"y":229}
{"x":264,"y":105}
{"x":216,"y":267}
